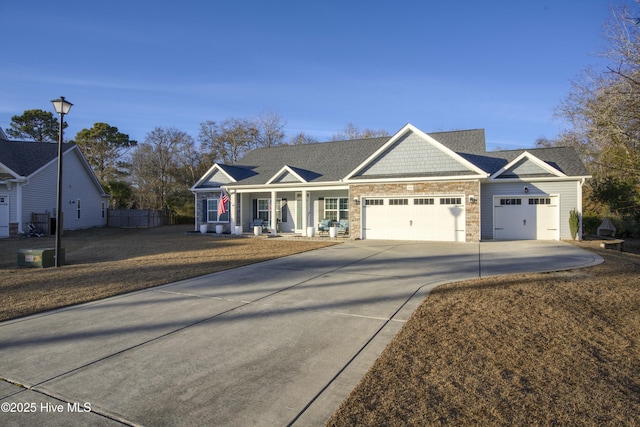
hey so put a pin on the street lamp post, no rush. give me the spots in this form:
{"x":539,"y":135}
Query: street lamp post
{"x":62,"y":107}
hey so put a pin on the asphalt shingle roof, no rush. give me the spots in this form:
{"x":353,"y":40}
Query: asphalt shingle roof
{"x":565,"y":159}
{"x":24,"y":157}
{"x":323,"y":162}
{"x":462,"y":141}
{"x":332,"y":161}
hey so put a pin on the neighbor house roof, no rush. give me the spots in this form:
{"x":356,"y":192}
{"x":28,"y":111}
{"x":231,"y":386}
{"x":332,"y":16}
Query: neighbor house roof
{"x":24,"y":158}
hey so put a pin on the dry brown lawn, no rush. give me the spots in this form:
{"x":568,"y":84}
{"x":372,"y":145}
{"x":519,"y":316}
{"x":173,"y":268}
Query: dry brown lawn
{"x":554,"y":349}
{"x":102,"y":262}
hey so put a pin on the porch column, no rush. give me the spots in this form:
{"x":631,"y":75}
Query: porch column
{"x":232,"y":210}
{"x":305,"y":213}
{"x":274,"y":216}
{"x":196,"y":220}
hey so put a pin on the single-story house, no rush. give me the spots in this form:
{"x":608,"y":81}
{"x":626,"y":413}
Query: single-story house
{"x":28,"y":184}
{"x":441,"y":186}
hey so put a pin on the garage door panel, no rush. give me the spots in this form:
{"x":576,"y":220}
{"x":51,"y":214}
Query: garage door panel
{"x":415,"y":218}
{"x":526,"y":218}
{"x":547,"y":222}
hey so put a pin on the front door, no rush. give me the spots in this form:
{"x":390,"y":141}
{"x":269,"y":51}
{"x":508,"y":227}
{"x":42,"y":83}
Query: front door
{"x":299,"y":213}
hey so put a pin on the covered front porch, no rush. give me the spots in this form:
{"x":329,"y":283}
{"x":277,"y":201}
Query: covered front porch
{"x":288,"y":211}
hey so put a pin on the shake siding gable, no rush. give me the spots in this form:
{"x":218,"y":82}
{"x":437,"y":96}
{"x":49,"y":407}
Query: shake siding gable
{"x":524,"y":168}
{"x":286,"y":177}
{"x":411,"y":154}
{"x":216,"y":179}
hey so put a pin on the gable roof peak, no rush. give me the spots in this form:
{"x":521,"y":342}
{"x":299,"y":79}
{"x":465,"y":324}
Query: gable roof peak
{"x":540,"y":163}
{"x":457,"y":163}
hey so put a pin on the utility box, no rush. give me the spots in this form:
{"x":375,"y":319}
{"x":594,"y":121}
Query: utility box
{"x":41,"y":258}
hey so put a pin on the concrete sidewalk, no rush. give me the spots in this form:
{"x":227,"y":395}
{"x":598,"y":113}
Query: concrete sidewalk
{"x":277,"y":343}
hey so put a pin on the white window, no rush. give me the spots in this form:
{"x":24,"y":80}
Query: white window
{"x":422,"y":201}
{"x":264,"y":210}
{"x":540,"y":201}
{"x":451,"y":201}
{"x":398,"y":202}
{"x":78,"y":207}
{"x":102,"y":207}
{"x":374,"y":202}
{"x":336,"y":208}
{"x":212,"y":211}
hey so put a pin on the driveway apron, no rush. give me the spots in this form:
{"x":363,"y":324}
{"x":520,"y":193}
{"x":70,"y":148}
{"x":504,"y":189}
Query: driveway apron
{"x":282,"y":342}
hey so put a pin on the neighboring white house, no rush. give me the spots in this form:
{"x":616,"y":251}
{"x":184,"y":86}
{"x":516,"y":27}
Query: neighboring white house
{"x":28,"y":184}
{"x":440,"y":186}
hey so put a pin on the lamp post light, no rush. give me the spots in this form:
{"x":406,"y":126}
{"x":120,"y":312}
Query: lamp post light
{"x":62,"y":107}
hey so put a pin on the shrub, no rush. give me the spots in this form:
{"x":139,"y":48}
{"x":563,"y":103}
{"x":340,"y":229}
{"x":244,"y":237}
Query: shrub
{"x":574,"y":223}
{"x":590,"y":224}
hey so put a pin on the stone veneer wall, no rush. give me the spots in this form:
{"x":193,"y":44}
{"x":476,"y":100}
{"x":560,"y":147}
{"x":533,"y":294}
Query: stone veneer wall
{"x":468,"y":188}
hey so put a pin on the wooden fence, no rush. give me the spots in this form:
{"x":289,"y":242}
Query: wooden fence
{"x":136,"y":218}
{"x":42,"y":221}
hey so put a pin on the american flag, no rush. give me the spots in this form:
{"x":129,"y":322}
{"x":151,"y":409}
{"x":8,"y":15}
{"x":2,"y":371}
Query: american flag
{"x":222,"y":204}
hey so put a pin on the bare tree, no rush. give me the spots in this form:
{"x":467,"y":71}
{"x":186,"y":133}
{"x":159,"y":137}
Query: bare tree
{"x":603,"y":110}
{"x":229,"y":140}
{"x":155,"y":171}
{"x":302,"y":138}
{"x":352,"y":131}
{"x":270,"y":129}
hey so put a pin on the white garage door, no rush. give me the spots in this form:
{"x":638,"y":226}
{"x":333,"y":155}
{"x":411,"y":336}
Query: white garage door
{"x":526,"y":218}
{"x":437,"y":218}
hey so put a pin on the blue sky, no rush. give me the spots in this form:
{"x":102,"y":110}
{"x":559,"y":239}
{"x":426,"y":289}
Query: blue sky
{"x":501,"y":65}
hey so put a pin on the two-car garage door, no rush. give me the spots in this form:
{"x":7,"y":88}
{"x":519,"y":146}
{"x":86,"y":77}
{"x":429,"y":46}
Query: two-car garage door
{"x":526,"y":218}
{"x":436,"y":218}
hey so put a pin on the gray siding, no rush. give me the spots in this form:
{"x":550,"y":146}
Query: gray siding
{"x":524,"y":167}
{"x":413,"y":155}
{"x":567,"y":190}
{"x":216,"y":179}
{"x":39,"y":195}
{"x":287,"y":177}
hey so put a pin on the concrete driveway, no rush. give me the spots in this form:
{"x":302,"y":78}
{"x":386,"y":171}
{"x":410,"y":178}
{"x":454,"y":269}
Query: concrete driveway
{"x":277,"y":343}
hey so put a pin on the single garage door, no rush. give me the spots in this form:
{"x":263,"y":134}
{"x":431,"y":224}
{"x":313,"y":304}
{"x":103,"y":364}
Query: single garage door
{"x":436,"y":218}
{"x":526,"y":218}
